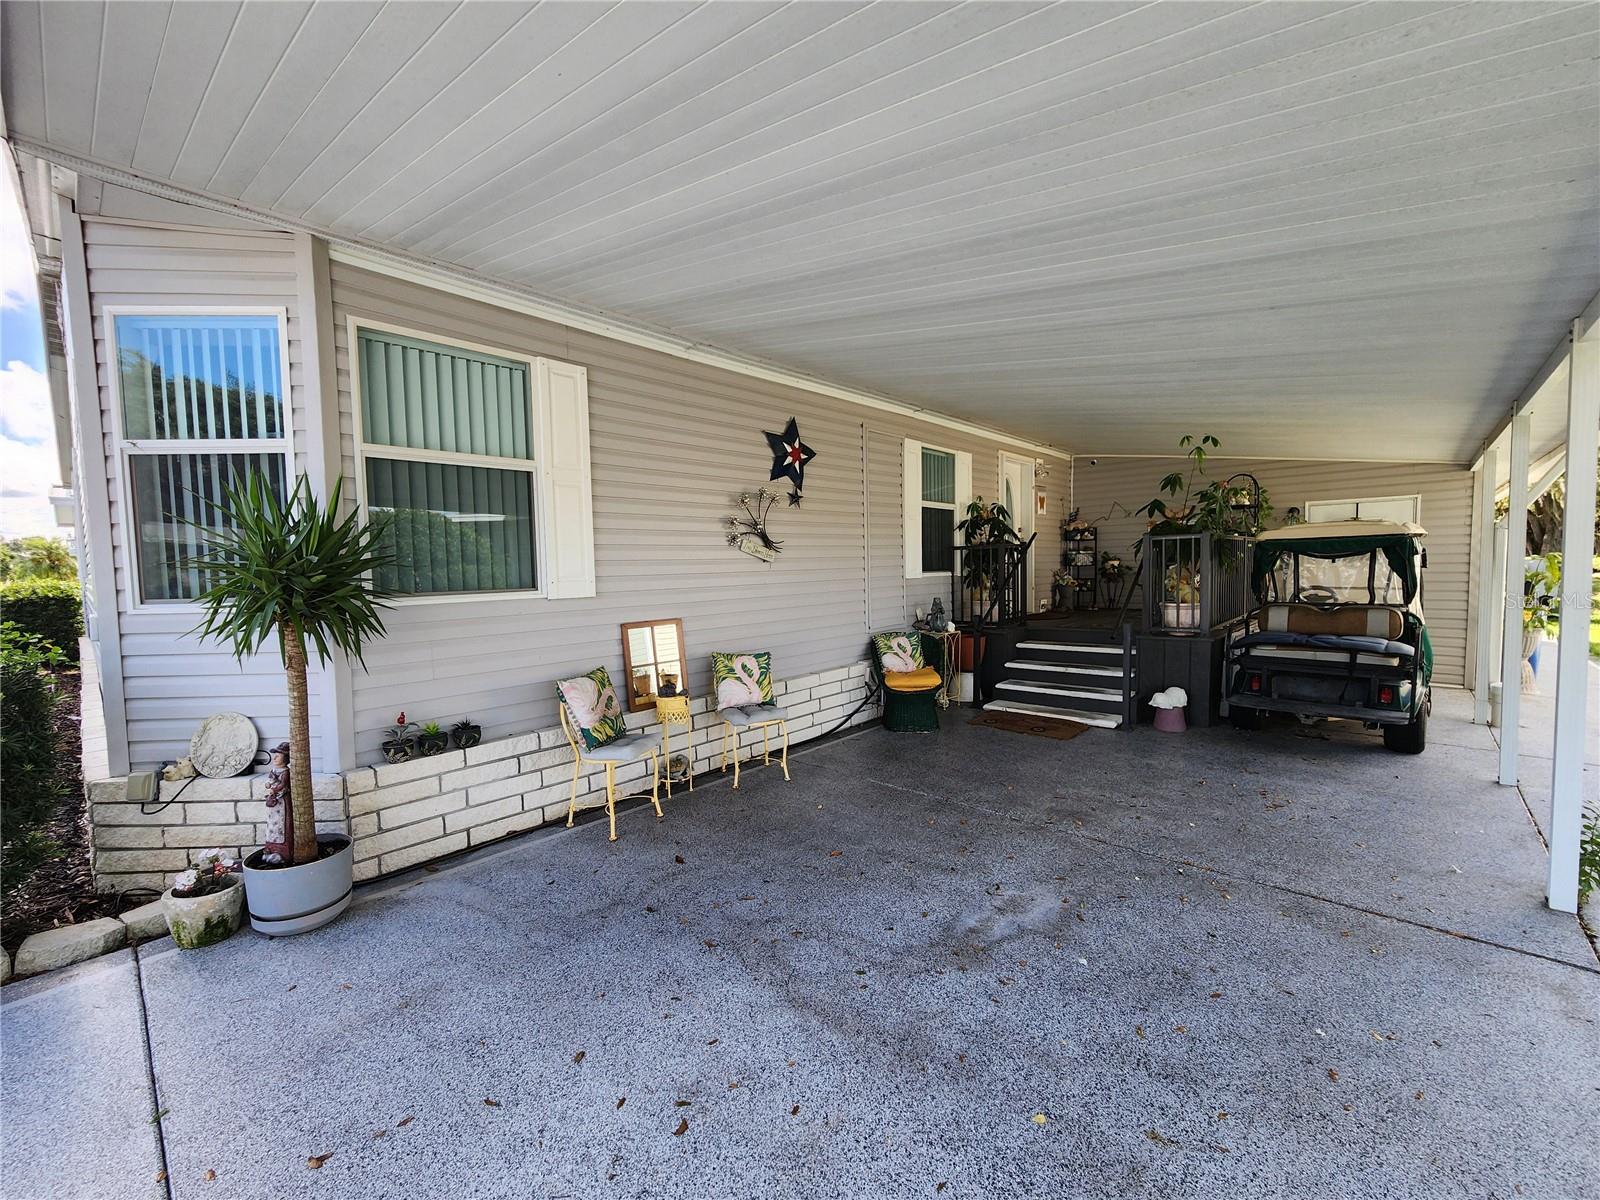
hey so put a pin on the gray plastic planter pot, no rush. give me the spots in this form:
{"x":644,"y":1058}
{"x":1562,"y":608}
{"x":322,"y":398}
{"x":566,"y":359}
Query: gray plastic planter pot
{"x":285,"y":900}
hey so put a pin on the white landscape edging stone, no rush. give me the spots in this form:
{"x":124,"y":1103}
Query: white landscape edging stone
{"x":69,"y":944}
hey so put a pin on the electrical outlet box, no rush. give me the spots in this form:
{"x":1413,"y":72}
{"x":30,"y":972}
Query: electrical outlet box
{"x":142,"y":787}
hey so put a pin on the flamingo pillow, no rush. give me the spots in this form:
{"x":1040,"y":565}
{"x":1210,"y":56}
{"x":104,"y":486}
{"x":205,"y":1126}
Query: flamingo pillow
{"x":593,"y":708}
{"x":899,"y":651}
{"x":742,"y":679}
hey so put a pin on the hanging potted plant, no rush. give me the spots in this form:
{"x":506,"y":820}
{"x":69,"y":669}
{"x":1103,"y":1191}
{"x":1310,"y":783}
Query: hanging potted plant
{"x":289,"y":570}
{"x":400,"y":741}
{"x":432,"y":740}
{"x":466,"y":733}
{"x":205,"y":903}
{"x":1540,"y":588}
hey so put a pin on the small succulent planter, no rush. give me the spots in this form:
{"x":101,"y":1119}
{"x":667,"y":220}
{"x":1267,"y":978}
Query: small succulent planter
{"x":400,"y":741}
{"x":465,"y":734}
{"x":432,"y":740}
{"x":205,"y":904}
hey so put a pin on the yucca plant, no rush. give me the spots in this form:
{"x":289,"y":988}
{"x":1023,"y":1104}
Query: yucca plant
{"x":291,"y":568}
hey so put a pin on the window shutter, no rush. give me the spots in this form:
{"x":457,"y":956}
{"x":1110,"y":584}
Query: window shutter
{"x":963,"y":484}
{"x":566,"y":488}
{"x":911,"y":507}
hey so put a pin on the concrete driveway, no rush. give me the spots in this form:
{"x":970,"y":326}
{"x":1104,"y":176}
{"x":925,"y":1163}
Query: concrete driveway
{"x":971,"y":964}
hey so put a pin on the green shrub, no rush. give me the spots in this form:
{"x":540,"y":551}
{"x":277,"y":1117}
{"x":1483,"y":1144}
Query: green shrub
{"x":1589,"y":854}
{"x":36,"y":558}
{"x":32,"y":789}
{"x":51,"y":608}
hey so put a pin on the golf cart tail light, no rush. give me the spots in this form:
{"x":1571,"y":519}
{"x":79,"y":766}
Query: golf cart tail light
{"x":1253,"y":682}
{"x":1386,"y":694}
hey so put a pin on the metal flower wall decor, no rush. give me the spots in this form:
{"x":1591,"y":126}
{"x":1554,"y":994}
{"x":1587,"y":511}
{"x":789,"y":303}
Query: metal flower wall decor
{"x":749,"y":531}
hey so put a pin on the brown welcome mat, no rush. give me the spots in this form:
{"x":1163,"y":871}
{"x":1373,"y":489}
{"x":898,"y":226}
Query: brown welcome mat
{"x":1050,"y":727}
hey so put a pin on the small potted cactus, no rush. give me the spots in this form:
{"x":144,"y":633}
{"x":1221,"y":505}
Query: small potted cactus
{"x":205,"y":904}
{"x":466,"y":733}
{"x":432,"y":740}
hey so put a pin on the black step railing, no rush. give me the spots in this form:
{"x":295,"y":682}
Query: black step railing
{"x":989,"y":586}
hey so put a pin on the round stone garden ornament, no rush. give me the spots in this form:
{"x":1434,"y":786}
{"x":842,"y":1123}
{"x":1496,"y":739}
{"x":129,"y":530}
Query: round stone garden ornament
{"x":224,"y":745}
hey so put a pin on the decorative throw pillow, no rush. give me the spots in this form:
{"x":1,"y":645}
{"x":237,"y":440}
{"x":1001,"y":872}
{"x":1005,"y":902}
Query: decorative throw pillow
{"x":899,"y":651}
{"x":593,"y":708}
{"x":742,"y":679}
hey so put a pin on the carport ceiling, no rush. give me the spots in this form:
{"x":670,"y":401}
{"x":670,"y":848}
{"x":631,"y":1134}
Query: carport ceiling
{"x":1313,"y":229}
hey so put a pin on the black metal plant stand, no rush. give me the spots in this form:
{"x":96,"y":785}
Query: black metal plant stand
{"x":1080,"y":558}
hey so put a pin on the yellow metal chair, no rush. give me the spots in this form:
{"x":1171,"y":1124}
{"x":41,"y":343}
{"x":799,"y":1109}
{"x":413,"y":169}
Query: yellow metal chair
{"x":630,"y":748}
{"x":754,"y":716}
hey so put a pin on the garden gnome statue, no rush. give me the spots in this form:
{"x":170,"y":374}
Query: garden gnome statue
{"x":279,"y":845}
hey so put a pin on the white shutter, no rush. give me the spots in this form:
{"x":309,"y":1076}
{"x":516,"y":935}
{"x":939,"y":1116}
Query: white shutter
{"x":963,"y":484}
{"x":565,"y":486}
{"x":911,"y":475}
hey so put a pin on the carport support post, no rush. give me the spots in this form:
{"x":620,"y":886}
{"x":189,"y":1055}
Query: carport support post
{"x":1483,"y":673}
{"x":1572,"y":650}
{"x":1511,"y":640}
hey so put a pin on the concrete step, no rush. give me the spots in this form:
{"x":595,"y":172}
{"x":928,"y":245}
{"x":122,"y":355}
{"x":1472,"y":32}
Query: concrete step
{"x":1079,"y":647}
{"x":1084,"y":670}
{"x":1034,"y":692}
{"x":1099,"y":720}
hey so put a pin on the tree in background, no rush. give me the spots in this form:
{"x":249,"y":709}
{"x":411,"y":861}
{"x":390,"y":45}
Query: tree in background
{"x":36,"y":558}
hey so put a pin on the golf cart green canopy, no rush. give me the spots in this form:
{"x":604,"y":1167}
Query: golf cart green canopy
{"x":1395,"y":541}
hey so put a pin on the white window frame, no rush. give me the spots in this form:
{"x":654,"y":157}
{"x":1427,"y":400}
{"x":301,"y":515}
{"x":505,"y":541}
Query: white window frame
{"x":1358,"y":501}
{"x":536,"y":467}
{"x":126,"y":449}
{"x":913,"y":503}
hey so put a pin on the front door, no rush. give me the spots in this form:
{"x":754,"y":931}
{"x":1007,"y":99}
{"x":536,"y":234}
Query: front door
{"x":1016,"y":493}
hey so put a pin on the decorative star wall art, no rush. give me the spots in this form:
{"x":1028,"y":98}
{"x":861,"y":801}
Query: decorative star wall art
{"x":789,"y":458}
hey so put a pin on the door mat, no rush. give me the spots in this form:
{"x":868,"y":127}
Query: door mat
{"x":1050,"y":727}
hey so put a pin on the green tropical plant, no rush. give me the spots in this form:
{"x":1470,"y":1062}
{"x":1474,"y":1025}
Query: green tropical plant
{"x":1541,"y":588}
{"x":984,"y":529}
{"x":1200,"y":502}
{"x":291,"y":568}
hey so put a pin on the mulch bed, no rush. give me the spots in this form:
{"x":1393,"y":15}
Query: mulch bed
{"x":61,"y":891}
{"x":1050,"y":727}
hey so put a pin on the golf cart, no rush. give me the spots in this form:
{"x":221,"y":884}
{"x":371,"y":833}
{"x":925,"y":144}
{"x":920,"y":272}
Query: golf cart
{"x":1337,"y":632}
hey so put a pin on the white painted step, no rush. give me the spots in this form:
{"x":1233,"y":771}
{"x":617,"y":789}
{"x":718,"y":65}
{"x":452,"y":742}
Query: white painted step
{"x":1066,"y":668}
{"x":1056,"y":689}
{"x":1103,"y":720}
{"x":1074,"y":648}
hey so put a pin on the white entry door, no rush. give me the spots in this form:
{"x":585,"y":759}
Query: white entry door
{"x":1016,"y":493}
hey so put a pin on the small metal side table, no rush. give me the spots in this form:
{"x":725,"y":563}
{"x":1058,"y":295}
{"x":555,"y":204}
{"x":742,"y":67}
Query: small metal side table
{"x":950,"y":653}
{"x":670,"y":711}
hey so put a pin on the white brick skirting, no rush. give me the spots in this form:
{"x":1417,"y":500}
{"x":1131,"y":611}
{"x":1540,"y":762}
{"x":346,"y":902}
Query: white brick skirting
{"x":407,"y":813}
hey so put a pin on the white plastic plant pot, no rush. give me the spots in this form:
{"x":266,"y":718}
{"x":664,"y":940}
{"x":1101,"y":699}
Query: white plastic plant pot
{"x":1180,"y":618}
{"x":284,"y":900}
{"x":198,"y":921}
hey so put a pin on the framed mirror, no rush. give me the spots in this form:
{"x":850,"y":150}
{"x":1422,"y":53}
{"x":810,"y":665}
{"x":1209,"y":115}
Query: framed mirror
{"x":653,"y":661}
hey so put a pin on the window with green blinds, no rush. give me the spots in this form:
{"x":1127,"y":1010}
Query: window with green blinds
{"x":447,"y":438}
{"x":938,"y":509}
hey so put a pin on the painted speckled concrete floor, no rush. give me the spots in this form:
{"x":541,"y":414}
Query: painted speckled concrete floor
{"x":1219,"y":965}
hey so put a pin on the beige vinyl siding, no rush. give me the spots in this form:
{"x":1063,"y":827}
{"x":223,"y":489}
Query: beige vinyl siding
{"x":171,"y":679}
{"x":673,"y":443}
{"x":1107,"y":491}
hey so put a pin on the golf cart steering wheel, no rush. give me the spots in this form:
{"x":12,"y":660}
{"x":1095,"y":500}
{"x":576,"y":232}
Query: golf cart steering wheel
{"x":1318,"y":594}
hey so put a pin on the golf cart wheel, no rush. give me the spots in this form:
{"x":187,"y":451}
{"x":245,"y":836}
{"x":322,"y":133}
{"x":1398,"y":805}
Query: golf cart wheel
{"x":1408,"y":739}
{"x":1246,"y":718}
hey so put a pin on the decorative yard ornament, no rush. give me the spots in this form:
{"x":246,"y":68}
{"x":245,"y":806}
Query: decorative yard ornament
{"x":278,"y":845}
{"x":749,"y":532}
{"x":789,"y":457}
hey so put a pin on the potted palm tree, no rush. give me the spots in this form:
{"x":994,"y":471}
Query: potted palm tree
{"x":293,"y":571}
